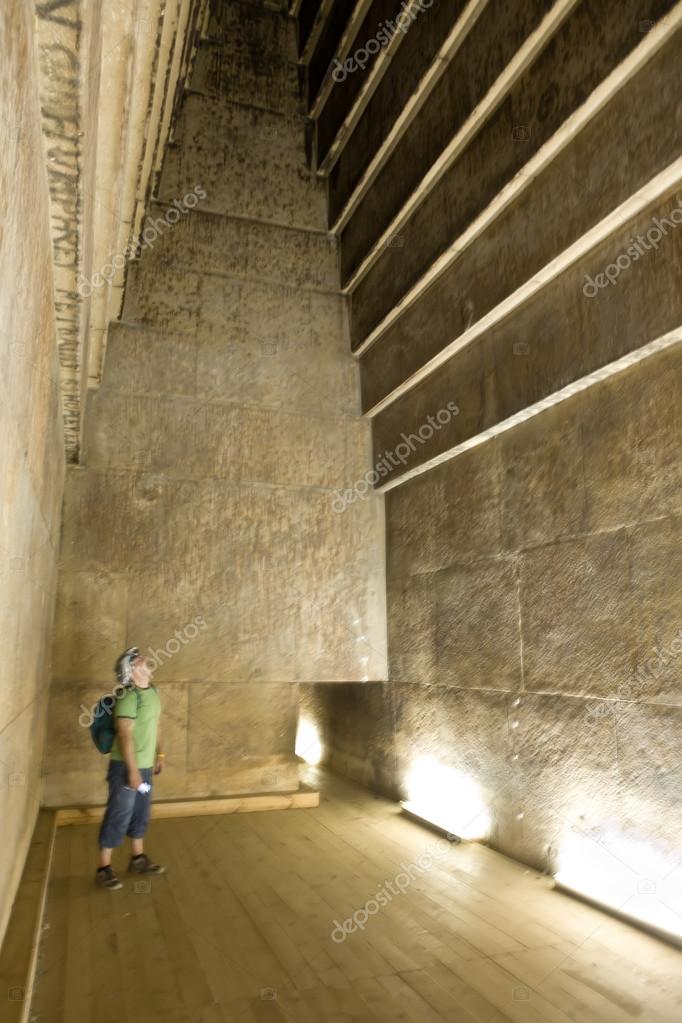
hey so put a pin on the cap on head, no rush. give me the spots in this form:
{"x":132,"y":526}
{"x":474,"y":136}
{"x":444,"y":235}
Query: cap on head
{"x":124,"y":665}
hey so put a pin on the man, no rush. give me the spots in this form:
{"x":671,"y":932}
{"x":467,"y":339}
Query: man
{"x":135,"y":755}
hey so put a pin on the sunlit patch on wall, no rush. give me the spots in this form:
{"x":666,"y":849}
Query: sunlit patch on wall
{"x":446,"y":798}
{"x":626,"y":875}
{"x":308,"y":742}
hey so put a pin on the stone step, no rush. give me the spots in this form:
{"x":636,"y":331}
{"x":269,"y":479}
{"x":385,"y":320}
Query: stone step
{"x":418,"y":47}
{"x":559,"y":336}
{"x":544,"y":222}
{"x":193,"y":439}
{"x":232,"y":77}
{"x":250,"y":163}
{"x":246,"y":249}
{"x":249,"y":57}
{"x":259,"y":31}
{"x":496,"y":155}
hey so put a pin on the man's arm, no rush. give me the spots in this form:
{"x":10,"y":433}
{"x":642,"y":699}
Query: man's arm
{"x":159,"y":750}
{"x":124,"y":730}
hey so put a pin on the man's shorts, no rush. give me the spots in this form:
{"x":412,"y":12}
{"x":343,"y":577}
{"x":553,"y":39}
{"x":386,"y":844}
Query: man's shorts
{"x":127,"y":811}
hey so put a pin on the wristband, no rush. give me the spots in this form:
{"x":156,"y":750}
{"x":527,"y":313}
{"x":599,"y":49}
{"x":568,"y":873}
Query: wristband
{"x":160,"y":755}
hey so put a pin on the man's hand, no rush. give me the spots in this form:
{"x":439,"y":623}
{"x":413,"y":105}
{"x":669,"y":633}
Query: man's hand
{"x":134,"y":779}
{"x":158,"y":766}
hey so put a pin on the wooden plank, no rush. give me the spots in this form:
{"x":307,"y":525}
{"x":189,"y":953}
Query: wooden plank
{"x":19,"y":956}
{"x":239,"y":928}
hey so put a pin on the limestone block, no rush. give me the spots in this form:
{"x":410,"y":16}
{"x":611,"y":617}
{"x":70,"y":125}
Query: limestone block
{"x":657,"y":585}
{"x":239,"y":722}
{"x":543,"y":489}
{"x":362,"y":738}
{"x":20,"y":755}
{"x":276,"y":345}
{"x":630,"y":447}
{"x":276,"y":773}
{"x":254,"y":62}
{"x":257,"y":28}
{"x":566,"y":775}
{"x":144,"y":361}
{"x":650,"y":782}
{"x":214,"y":244}
{"x":478,"y":642}
{"x":191,"y":438}
{"x":258,"y":171}
{"x":278,"y":575}
{"x":465,"y":731}
{"x":412,"y":626}
{"x":90,"y":625}
{"x":450,"y":515}
{"x":579,"y":615}
{"x":441,"y":411}
{"x":256,"y":73}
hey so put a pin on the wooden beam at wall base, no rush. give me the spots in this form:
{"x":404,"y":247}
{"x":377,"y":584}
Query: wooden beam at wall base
{"x":670,"y":340}
{"x":19,"y":957}
{"x":303,"y":798}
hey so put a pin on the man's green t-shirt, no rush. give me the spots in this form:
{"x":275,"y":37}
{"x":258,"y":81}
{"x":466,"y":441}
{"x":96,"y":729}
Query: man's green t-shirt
{"x":144,"y":706}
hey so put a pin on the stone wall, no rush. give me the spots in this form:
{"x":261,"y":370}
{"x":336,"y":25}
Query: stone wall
{"x":534,"y":595}
{"x":535,"y":623}
{"x":32,"y":460}
{"x":200,"y":523}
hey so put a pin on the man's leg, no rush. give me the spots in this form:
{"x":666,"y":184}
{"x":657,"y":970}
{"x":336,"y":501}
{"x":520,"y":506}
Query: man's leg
{"x":137,"y":829}
{"x":120,"y":807}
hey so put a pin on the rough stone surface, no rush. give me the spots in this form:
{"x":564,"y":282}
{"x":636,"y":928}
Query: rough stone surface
{"x":250,"y":58}
{"x":201,"y":523}
{"x":533,"y":353}
{"x":561,"y":78}
{"x":249,"y":161}
{"x":31,"y":449}
{"x":545,"y":220}
{"x":540,"y":567}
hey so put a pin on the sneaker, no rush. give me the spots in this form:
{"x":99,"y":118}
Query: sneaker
{"x":143,"y":865}
{"x":106,"y":878}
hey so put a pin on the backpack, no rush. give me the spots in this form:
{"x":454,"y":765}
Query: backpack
{"x":103,"y":727}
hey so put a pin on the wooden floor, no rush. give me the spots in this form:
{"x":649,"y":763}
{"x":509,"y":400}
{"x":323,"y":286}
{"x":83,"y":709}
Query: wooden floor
{"x":239,"y":930}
